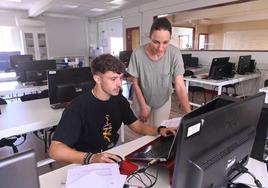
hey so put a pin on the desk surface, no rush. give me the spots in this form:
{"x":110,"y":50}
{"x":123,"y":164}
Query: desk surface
{"x":28,"y":116}
{"x":56,"y":178}
{"x":237,"y":78}
{"x":15,"y":87}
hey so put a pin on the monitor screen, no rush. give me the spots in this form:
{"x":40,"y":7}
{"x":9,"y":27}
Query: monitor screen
{"x":124,"y":56}
{"x":5,"y":60}
{"x":220,"y":68}
{"x":16,"y":59}
{"x":34,"y":71}
{"x":213,"y":139}
{"x":19,"y":170}
{"x":66,"y":84}
{"x":244,"y":64}
{"x":186,"y":59}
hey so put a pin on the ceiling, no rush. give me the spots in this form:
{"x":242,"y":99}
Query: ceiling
{"x":89,"y":8}
{"x":247,"y":11}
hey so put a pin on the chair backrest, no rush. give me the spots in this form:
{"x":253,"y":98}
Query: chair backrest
{"x":188,"y":73}
{"x":266,"y":83}
{"x":3,"y":101}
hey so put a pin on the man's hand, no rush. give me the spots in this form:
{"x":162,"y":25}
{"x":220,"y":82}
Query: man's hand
{"x":105,"y":158}
{"x":144,"y":114}
{"x":167,"y":131}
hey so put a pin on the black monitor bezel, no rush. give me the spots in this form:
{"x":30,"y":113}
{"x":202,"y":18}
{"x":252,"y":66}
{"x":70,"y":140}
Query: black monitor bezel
{"x":37,"y":67}
{"x":190,"y":148}
{"x":69,"y":76}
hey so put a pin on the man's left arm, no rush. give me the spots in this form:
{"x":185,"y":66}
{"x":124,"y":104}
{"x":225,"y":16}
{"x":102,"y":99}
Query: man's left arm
{"x":145,"y":129}
{"x":182,"y":93}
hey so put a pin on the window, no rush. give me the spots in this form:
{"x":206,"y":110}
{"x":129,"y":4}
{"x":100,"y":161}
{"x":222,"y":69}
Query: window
{"x":9,"y":39}
{"x":183,"y":37}
{"x":203,"y":42}
{"x":116,"y":45}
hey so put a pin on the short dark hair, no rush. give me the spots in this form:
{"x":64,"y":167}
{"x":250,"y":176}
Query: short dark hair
{"x":107,"y":62}
{"x":161,"y":24}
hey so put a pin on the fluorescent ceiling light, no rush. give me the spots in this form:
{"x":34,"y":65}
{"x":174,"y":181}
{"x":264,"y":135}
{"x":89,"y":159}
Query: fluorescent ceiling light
{"x":17,"y":1}
{"x":97,"y":9}
{"x":70,"y":6}
{"x":117,"y":2}
{"x":163,"y":15}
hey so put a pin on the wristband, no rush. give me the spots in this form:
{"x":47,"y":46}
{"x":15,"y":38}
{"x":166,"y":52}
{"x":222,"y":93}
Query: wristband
{"x":159,"y":129}
{"x":87,"y":158}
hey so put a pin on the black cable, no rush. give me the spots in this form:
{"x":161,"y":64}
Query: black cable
{"x":151,"y":178}
{"x":242,"y":169}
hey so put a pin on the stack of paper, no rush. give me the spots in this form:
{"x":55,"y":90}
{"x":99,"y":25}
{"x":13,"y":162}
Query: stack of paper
{"x":174,"y":122}
{"x":98,"y":175}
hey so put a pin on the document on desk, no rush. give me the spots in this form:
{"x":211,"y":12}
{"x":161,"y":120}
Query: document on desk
{"x":99,"y":175}
{"x":174,"y":122}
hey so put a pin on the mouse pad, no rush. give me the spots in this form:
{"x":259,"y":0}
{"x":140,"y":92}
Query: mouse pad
{"x":127,"y":168}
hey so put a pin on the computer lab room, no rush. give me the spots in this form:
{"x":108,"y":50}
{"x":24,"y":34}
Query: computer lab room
{"x":46,"y":51}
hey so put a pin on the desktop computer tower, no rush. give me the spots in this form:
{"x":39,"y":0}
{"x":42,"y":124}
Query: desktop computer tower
{"x":260,"y":146}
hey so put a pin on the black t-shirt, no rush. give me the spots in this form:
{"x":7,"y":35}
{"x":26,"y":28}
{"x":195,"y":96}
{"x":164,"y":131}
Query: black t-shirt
{"x":91,"y":125}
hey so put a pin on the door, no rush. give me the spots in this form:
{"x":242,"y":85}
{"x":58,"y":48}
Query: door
{"x":132,"y":38}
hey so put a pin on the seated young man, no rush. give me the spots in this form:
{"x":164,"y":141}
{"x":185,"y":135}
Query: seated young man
{"x":90,"y":123}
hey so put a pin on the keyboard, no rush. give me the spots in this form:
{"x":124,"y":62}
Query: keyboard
{"x":59,"y":105}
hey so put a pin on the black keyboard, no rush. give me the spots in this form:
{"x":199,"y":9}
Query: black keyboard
{"x":59,"y":105}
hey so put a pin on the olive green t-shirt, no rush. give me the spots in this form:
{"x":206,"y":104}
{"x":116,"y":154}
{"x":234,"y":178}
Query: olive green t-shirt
{"x":155,"y":77}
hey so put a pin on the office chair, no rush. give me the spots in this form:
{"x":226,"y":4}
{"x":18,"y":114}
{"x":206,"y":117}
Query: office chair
{"x":265,"y":83}
{"x":45,"y":134}
{"x":194,"y":89}
{"x":10,"y":141}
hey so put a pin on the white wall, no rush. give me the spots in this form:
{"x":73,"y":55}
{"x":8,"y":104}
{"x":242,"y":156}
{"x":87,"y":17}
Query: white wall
{"x":67,"y":36}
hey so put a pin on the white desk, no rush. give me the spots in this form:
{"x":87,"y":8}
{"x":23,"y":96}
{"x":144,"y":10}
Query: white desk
{"x":265,"y":89}
{"x":28,"y":116}
{"x":56,"y":178}
{"x":16,"y":88}
{"x":219,"y":83}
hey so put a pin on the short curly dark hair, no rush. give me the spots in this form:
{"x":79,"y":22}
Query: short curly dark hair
{"x":107,"y":62}
{"x":161,"y":24}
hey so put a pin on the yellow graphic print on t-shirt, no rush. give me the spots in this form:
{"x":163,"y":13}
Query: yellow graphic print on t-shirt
{"x":107,"y":129}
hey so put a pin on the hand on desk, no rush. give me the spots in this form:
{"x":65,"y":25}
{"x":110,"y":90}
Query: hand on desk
{"x":106,"y":158}
{"x":168,"y":131}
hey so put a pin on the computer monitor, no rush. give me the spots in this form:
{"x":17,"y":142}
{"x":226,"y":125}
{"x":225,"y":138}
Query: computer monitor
{"x":124,"y":56}
{"x":34,"y":71}
{"x":19,"y":171}
{"x":186,"y":59}
{"x":220,"y":68}
{"x":5,"y":60}
{"x":16,"y":59}
{"x":244,"y":64}
{"x":65,"y":84}
{"x":214,"y":139}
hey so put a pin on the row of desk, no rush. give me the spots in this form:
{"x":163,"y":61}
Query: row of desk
{"x":220,"y":83}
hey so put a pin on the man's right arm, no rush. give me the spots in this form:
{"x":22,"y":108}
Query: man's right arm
{"x":61,"y":152}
